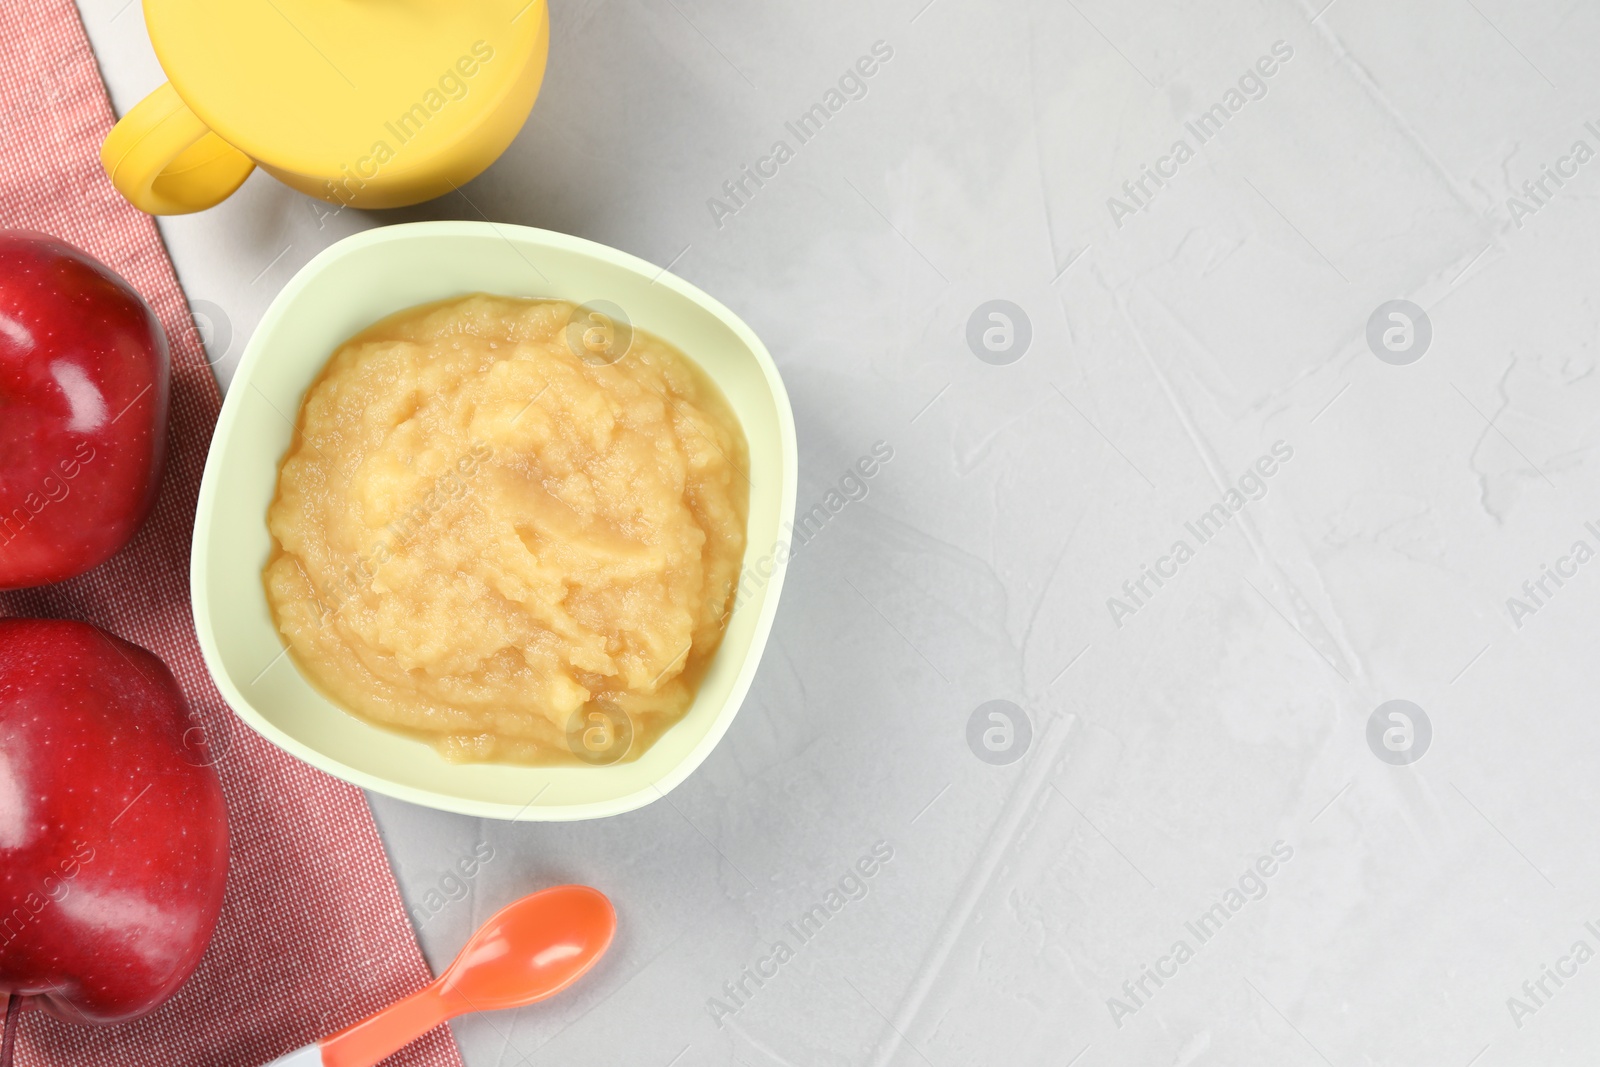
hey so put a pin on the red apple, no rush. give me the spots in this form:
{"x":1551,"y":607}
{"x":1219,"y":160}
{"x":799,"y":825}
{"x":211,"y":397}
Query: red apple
{"x":83,"y":410}
{"x":113,"y":841}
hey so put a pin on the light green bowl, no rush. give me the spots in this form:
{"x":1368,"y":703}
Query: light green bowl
{"x":347,"y":288}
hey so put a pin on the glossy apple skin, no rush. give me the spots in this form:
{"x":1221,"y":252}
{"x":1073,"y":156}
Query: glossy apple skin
{"x":84,"y":384}
{"x":113,"y":830}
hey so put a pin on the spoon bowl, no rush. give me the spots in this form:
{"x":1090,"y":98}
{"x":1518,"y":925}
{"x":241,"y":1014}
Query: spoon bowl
{"x":571,"y":925}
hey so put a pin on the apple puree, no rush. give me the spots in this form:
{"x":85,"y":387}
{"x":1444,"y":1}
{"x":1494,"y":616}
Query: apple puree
{"x":485,"y":540}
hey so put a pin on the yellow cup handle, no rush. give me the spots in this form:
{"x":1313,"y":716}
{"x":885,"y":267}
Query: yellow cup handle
{"x":167,"y":162}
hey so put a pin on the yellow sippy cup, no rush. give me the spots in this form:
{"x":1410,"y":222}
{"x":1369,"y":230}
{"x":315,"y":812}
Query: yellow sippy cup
{"x":365,"y":103}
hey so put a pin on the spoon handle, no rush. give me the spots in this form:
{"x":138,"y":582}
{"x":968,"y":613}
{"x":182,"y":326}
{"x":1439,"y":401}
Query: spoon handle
{"x":369,"y":1041}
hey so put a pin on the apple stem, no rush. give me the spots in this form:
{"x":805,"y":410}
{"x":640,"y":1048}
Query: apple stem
{"x":13,"y":1009}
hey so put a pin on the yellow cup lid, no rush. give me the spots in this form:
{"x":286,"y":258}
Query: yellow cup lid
{"x":315,"y":85}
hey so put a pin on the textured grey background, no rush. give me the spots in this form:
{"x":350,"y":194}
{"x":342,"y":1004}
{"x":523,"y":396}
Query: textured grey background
{"x":1168,"y":353}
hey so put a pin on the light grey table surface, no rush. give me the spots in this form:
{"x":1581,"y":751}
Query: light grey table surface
{"x":1177,"y":333}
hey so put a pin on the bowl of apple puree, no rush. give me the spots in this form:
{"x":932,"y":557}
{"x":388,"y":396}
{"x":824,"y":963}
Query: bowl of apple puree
{"x":492,"y":533}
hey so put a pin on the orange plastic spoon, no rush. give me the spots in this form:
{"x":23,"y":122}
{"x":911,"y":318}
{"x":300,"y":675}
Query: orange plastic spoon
{"x":528,"y":951}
